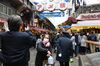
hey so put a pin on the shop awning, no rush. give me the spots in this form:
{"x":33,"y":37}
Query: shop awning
{"x":88,"y":23}
{"x":89,"y":16}
{"x":69,"y":21}
{"x":72,"y":19}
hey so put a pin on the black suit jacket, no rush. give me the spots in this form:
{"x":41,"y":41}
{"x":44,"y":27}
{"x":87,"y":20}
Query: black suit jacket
{"x":15,"y":46}
{"x":64,"y":46}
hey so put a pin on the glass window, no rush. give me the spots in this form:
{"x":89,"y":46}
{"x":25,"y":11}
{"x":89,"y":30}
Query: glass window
{"x":9,"y":11}
{"x":4,"y":9}
{"x":13,"y":11}
{"x":1,"y":8}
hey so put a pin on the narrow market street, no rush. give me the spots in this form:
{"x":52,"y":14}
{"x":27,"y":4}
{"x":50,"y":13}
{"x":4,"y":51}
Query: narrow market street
{"x":33,"y":55}
{"x":70,"y":27}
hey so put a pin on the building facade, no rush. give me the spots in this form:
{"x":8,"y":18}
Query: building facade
{"x":10,"y":7}
{"x":89,"y":18}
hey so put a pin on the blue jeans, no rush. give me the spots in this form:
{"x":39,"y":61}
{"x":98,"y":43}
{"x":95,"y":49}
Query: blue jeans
{"x":77,"y":49}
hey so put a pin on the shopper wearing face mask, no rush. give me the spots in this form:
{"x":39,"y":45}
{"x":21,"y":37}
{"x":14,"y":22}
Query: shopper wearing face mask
{"x":43,"y":49}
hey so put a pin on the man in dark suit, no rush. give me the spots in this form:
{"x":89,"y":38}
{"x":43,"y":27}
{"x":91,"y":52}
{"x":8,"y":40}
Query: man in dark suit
{"x":64,"y":49}
{"x":14,"y":44}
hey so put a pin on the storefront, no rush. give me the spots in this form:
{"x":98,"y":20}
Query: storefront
{"x":88,"y":22}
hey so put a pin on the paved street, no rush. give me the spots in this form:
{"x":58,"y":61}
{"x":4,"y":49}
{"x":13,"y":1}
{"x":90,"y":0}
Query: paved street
{"x":33,"y":54}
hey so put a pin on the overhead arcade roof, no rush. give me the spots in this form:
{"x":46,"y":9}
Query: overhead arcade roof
{"x":58,"y":20}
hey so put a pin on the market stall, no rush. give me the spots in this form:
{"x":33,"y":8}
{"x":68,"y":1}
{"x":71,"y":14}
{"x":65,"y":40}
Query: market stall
{"x":87,"y":21}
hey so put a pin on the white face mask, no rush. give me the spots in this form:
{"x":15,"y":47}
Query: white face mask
{"x":48,"y":44}
{"x":45,"y":40}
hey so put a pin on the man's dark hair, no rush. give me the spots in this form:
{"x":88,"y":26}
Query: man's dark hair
{"x":66,"y":34}
{"x":14,"y":22}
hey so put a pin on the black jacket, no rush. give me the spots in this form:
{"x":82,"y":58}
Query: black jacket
{"x":15,"y":46}
{"x":64,"y":46}
{"x":42,"y":51}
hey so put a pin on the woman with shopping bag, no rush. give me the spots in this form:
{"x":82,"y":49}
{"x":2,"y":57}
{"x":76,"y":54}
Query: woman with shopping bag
{"x":43,"y":49}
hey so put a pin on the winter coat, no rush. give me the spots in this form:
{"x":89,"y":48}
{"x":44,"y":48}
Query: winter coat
{"x":42,"y":51}
{"x":15,"y":47}
{"x":64,"y":46}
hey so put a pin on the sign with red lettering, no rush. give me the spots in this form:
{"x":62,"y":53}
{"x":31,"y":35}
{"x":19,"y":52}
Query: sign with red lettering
{"x":62,"y":5}
{"x":50,"y":6}
{"x":39,"y":7}
{"x":89,"y":16}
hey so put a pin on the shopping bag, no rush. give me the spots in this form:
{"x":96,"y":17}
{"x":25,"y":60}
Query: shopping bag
{"x":50,"y":60}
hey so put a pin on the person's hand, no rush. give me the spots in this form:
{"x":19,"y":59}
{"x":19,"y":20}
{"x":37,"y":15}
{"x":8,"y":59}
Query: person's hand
{"x":49,"y":53}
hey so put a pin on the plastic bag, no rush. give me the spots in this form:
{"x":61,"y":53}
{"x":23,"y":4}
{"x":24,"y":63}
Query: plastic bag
{"x":50,"y":60}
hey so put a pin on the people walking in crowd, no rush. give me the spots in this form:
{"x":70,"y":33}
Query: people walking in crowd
{"x":14,"y":44}
{"x":55,"y":41}
{"x":43,"y":51}
{"x":98,"y":39}
{"x":74,"y":43}
{"x":93,"y":37}
{"x":88,"y":45}
{"x":77,"y":40}
{"x":64,"y":49}
{"x":39,"y":39}
{"x":83,"y":45}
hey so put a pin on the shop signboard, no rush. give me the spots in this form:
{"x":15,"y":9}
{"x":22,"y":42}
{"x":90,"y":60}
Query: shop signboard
{"x":39,"y":7}
{"x":52,"y":14}
{"x":89,"y":16}
{"x":62,"y":5}
{"x":52,"y":6}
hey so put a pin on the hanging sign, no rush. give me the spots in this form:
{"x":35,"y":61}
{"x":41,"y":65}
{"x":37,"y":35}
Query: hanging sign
{"x":50,"y":6}
{"x":89,"y":16}
{"x":52,"y":14}
{"x":62,"y":5}
{"x":39,"y":7}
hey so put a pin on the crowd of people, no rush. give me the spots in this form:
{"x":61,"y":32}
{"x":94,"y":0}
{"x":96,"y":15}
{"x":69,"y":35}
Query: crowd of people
{"x":15,"y":45}
{"x":81,"y":44}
